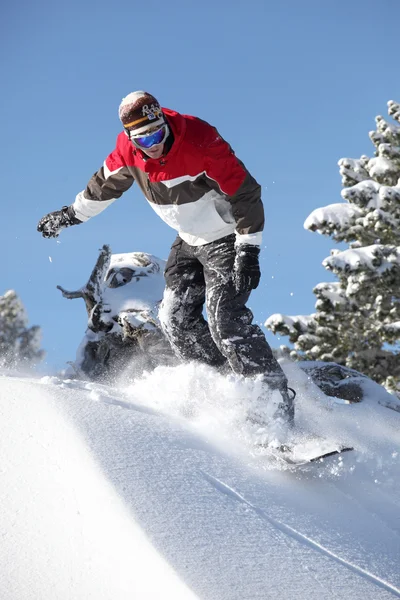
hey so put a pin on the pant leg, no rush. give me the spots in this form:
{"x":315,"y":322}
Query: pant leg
{"x":230,"y":321}
{"x":181,"y":311}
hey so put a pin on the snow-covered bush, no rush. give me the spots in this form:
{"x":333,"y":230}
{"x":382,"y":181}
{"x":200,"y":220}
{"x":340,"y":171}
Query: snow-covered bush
{"x":357,"y":318}
{"x":19,"y":345}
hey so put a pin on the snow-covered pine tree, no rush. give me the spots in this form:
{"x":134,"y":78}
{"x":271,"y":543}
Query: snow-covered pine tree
{"x":19,"y":345}
{"x":357,"y":318}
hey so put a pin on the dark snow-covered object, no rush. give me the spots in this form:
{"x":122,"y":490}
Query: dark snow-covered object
{"x":346,"y":384}
{"x":335,"y":380}
{"x":122,"y":297}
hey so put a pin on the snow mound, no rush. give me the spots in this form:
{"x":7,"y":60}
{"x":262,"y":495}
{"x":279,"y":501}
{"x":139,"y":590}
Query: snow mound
{"x":155,"y":490}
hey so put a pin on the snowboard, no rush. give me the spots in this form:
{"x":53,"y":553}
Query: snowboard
{"x":312,"y":450}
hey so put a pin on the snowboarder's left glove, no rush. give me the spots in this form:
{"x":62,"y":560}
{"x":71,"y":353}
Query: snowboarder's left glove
{"x":247,"y":268}
{"x":50,"y":225}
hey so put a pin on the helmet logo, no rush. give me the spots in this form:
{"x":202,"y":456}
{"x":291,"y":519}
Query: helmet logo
{"x":152,"y":112}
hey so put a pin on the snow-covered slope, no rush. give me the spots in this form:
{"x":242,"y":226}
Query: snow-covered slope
{"x":154,"y":491}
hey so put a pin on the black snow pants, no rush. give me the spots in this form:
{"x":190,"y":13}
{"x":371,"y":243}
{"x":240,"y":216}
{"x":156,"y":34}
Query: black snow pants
{"x":204,"y":274}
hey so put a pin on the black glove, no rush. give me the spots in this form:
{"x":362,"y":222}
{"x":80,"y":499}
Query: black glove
{"x":247,"y":268}
{"x":51,"y":224}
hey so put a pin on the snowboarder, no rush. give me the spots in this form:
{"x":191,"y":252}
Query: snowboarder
{"x":192,"y":179}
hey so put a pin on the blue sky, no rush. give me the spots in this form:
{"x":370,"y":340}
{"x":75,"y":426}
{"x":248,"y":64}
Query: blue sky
{"x":293,"y":86}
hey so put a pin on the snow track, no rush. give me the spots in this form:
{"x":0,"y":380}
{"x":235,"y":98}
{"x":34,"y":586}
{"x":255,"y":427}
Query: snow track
{"x":298,"y":536}
{"x":165,"y":499}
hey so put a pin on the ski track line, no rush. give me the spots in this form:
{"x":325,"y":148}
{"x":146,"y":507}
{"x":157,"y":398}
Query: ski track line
{"x":277,"y":536}
{"x":298,"y":536}
{"x":287,"y":540}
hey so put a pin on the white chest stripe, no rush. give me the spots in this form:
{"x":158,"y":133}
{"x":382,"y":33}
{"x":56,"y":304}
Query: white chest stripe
{"x":169,"y":183}
{"x":197,"y":222}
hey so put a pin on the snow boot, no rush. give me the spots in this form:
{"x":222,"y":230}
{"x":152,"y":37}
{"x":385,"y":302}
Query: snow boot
{"x":272,"y":421}
{"x":286,"y":406}
{"x":278,"y":381}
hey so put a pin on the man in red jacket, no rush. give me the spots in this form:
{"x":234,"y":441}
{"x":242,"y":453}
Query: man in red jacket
{"x":192,"y":179}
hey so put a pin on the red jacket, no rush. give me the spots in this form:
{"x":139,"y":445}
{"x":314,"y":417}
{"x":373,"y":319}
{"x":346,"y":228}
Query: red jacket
{"x":200,"y":188}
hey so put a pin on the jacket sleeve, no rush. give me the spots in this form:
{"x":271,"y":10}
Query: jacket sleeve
{"x":242,"y":190}
{"x":104,"y":187}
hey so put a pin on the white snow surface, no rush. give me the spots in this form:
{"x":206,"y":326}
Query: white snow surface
{"x":339,"y":214}
{"x":355,"y":258}
{"x":302,"y":321}
{"x":332,"y":291}
{"x":143,"y":292}
{"x":380,"y":167}
{"x":155,"y":490}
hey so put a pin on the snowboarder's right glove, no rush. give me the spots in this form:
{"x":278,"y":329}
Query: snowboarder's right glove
{"x":50,"y":225}
{"x":247,"y":268}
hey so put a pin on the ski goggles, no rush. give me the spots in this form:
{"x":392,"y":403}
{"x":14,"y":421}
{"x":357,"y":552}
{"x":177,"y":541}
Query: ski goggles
{"x":152,"y":139}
